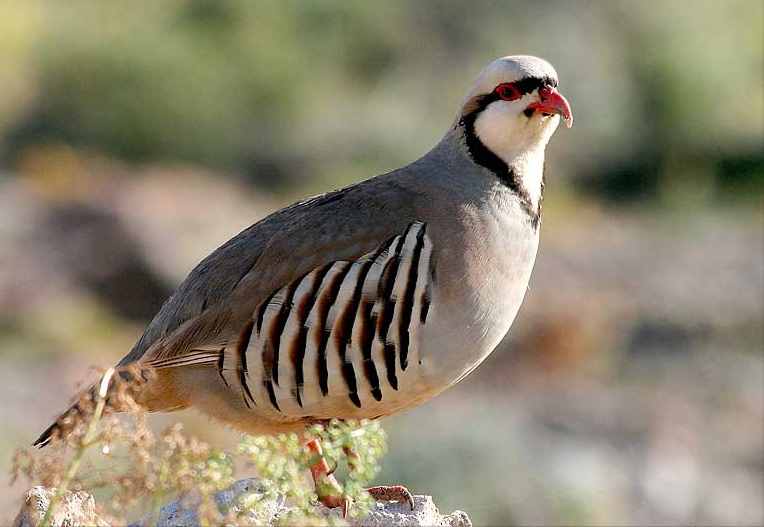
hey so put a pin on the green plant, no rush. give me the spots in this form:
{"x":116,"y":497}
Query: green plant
{"x":133,"y":469}
{"x":353,"y":448}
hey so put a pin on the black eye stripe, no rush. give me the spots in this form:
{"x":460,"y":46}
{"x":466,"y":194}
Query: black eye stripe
{"x":528,"y":84}
{"x":525,"y":85}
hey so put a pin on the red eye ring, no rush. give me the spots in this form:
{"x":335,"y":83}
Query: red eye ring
{"x":508,"y":91}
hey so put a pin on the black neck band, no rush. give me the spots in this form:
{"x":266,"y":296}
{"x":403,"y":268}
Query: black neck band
{"x":482,"y":155}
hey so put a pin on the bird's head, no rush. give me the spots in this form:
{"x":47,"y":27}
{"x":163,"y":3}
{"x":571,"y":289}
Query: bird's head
{"x":514,"y":106}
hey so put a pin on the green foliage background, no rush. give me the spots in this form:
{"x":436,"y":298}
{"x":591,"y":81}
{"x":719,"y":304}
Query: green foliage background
{"x":291,"y":93}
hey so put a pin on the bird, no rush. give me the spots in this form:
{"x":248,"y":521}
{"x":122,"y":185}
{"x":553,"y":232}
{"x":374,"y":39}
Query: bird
{"x":368,"y":300}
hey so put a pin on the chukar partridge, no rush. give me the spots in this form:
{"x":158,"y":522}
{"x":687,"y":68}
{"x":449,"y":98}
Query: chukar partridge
{"x":371,"y":299}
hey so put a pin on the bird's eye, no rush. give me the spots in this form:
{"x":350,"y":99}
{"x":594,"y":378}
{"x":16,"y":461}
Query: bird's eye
{"x":508,"y":91}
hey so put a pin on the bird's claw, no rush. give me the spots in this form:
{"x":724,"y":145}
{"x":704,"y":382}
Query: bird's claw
{"x":392,"y":493}
{"x":330,"y":492}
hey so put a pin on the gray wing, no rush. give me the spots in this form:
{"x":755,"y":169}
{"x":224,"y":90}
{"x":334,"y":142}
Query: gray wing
{"x":212,"y":305}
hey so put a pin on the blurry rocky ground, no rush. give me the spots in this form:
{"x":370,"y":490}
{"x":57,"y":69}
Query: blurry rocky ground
{"x":133,"y":141}
{"x":79,"y":508}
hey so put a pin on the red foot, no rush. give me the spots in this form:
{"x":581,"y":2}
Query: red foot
{"x":392,"y":493}
{"x":330,"y":492}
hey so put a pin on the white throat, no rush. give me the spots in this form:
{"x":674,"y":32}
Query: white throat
{"x":529,"y":169}
{"x":519,"y":142}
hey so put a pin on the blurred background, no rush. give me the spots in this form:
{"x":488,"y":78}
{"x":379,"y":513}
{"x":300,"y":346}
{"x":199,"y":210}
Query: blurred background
{"x":137,"y":137}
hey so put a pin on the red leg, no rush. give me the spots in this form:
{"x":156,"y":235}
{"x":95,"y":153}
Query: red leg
{"x":327,"y":487}
{"x":330,"y":492}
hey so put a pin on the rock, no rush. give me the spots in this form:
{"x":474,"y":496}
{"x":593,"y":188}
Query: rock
{"x":79,"y":509}
{"x":183,"y":512}
{"x":425,"y":512}
{"x":74,"y":509}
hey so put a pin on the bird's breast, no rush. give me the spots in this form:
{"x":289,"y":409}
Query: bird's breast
{"x":482,"y":274}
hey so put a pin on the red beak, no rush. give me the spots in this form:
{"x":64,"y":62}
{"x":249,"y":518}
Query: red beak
{"x":553,"y":102}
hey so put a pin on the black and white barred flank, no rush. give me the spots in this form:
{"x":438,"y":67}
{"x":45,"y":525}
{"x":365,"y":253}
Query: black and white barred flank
{"x":347,"y":327}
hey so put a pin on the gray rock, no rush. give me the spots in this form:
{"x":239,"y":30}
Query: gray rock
{"x":74,"y":509}
{"x":394,"y":514}
{"x":183,"y":512}
{"x":79,"y":509}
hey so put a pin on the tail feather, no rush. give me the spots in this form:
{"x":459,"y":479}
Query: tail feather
{"x":149,"y":387}
{"x":67,"y":420}
{"x":47,"y":436}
